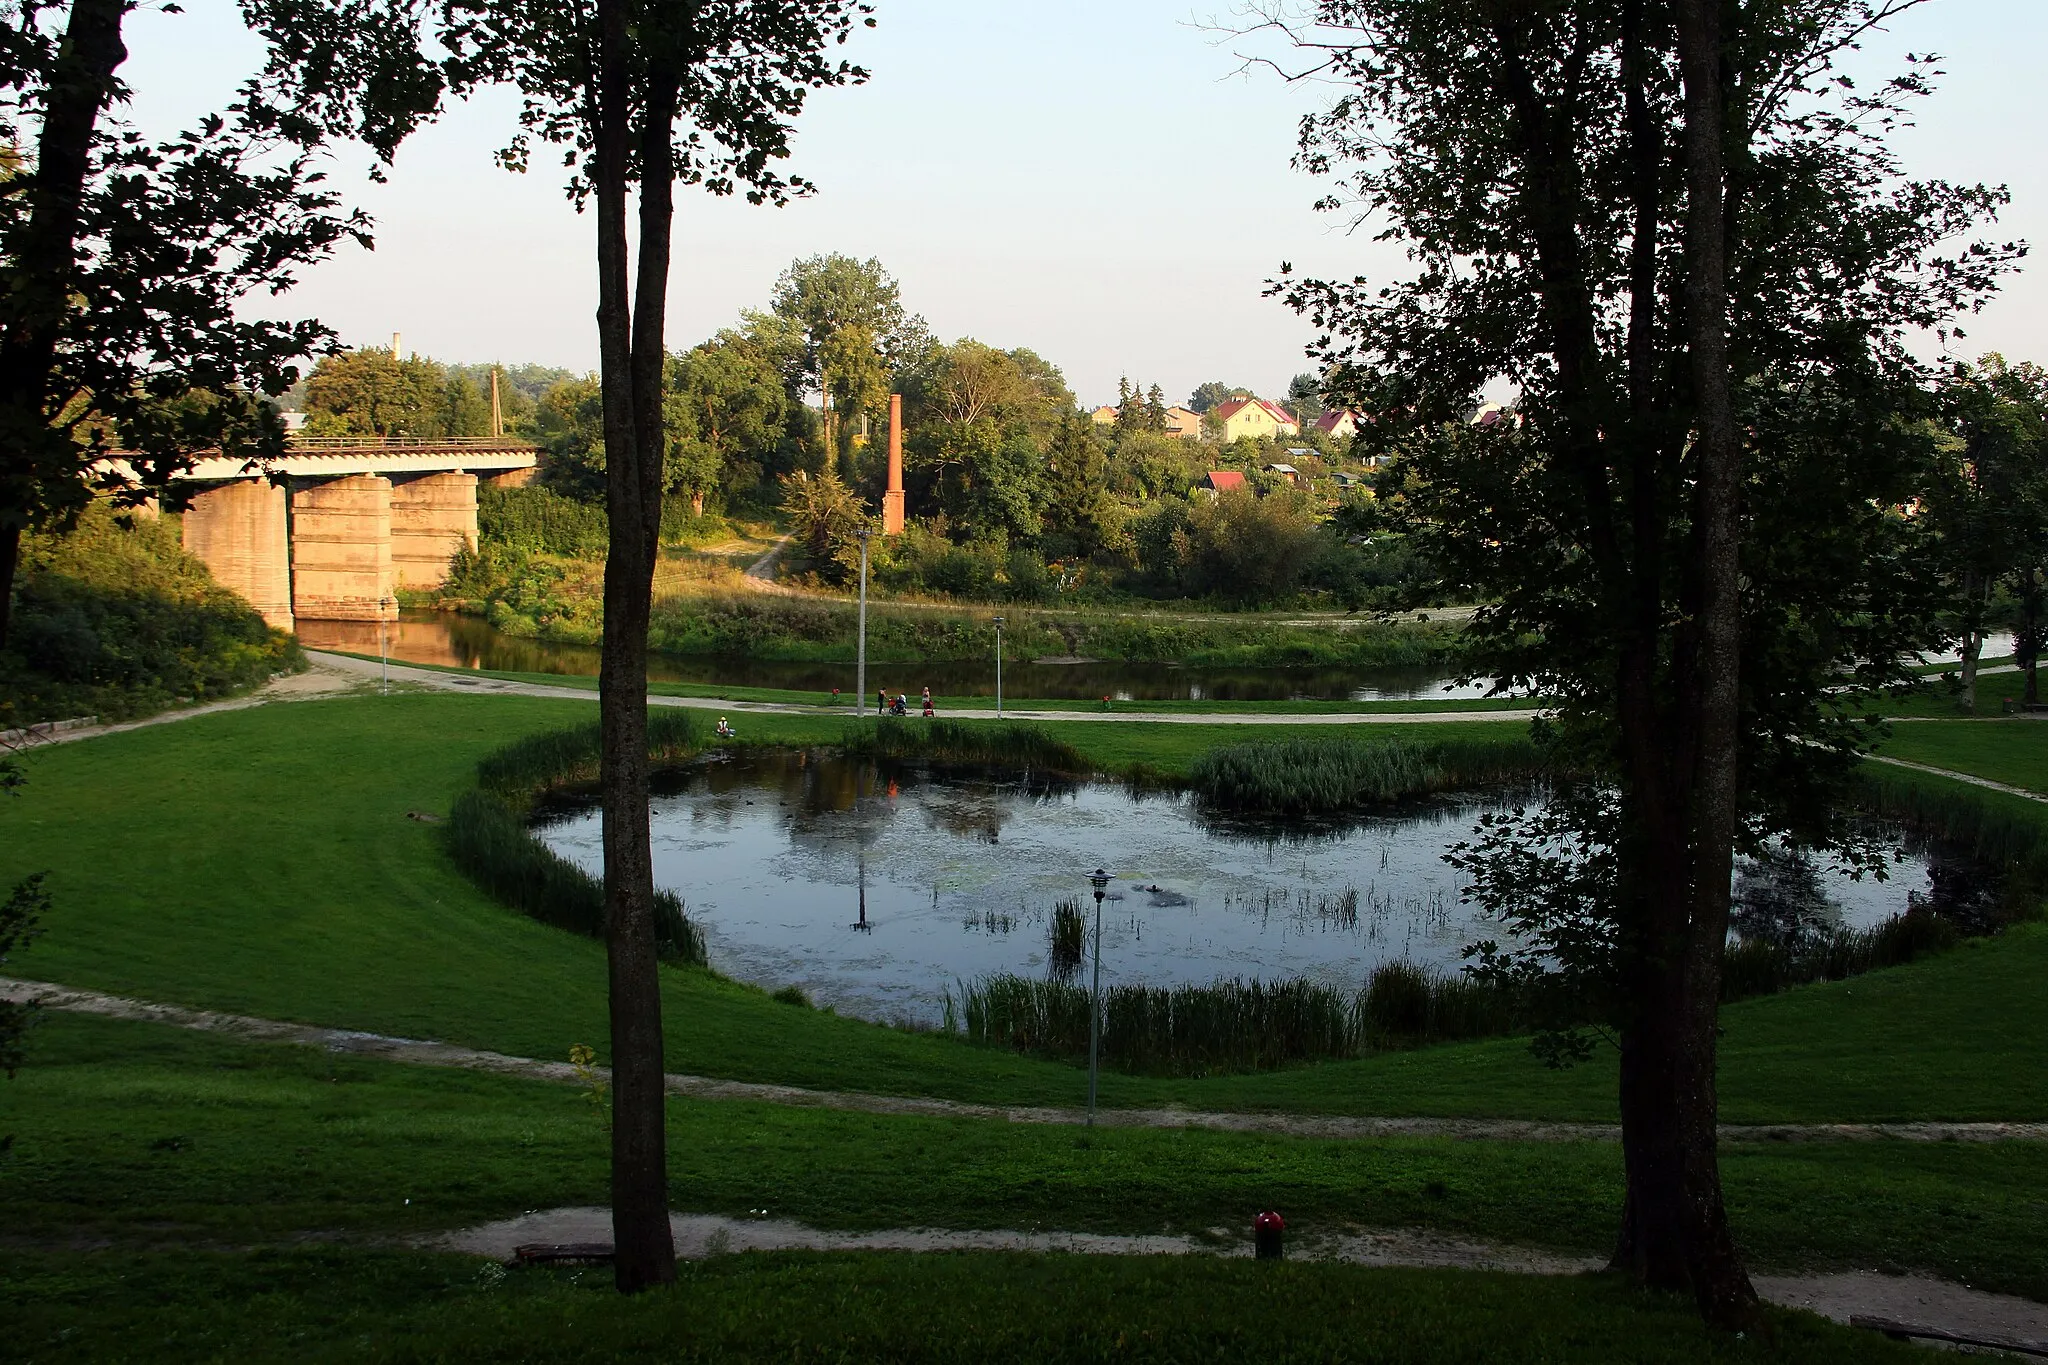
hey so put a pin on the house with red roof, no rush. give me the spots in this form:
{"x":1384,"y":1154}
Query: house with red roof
{"x":1254,"y":417}
{"x":1337,"y":424}
{"x":1219,"y":481}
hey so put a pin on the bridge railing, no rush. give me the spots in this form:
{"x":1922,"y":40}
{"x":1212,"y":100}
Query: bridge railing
{"x":295,"y":441}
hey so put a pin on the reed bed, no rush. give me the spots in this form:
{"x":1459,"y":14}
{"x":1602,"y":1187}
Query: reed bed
{"x":489,"y":841}
{"x":1232,"y":1025}
{"x":528,"y":767}
{"x":1010,"y":745}
{"x":1320,"y":776}
{"x":1068,"y":935}
{"x":1758,"y":966}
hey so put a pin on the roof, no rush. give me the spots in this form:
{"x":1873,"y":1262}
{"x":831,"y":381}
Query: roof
{"x":1225,"y":411}
{"x":1222,"y":479}
{"x":1332,"y":419}
{"x":1282,"y":468}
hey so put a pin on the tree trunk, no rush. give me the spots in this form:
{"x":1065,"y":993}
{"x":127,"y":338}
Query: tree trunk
{"x":1688,"y":1018}
{"x":1973,"y":643}
{"x":40,"y":277}
{"x":644,"y":1247}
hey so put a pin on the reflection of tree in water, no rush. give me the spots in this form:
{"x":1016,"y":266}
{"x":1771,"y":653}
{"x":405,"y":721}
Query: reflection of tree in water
{"x":1960,"y":886}
{"x":1778,"y":898}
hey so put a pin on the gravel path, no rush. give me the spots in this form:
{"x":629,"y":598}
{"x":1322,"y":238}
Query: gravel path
{"x":425,"y":1052}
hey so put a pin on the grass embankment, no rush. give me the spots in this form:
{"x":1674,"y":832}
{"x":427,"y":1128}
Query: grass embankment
{"x":2012,"y":749}
{"x":321,"y":1304}
{"x":266,"y":865}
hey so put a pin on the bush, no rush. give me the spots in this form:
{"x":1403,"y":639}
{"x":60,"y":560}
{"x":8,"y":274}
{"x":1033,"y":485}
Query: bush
{"x":1021,"y":746}
{"x":114,"y":619}
{"x":537,"y":520}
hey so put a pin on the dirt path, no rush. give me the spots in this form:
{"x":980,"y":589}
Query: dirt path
{"x":1919,"y":1300}
{"x":1953,"y":775}
{"x":322,"y":679}
{"x":425,"y":1052}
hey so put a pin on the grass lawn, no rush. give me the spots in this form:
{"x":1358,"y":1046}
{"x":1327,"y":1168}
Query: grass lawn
{"x":262,"y":861}
{"x":315,"y":1304}
{"x":134,"y":1133}
{"x":2008,"y":749}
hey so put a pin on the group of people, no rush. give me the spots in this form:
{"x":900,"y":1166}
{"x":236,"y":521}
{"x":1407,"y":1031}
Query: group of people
{"x":900,"y":706}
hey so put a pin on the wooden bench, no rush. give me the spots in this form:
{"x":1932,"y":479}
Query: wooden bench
{"x":563,"y":1253}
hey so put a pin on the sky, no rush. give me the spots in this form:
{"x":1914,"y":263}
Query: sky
{"x":1098,"y":180}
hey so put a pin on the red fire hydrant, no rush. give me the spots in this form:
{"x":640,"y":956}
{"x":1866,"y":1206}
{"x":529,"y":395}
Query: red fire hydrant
{"x":1267,"y":1229}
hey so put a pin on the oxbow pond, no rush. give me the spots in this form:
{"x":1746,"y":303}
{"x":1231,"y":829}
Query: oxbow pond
{"x":876,"y":886}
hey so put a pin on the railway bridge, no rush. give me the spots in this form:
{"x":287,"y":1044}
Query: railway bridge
{"x":329,"y":530}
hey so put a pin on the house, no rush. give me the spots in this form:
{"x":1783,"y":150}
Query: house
{"x":1104,"y":416}
{"x":1185,"y":423}
{"x":1338,"y":425}
{"x":1254,"y":417}
{"x":1285,"y":471}
{"x":1345,"y":479}
{"x":1220,"y":481}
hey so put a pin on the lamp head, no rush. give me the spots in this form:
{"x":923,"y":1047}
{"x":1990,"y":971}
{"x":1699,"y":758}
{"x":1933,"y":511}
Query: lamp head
{"x":1099,"y":880}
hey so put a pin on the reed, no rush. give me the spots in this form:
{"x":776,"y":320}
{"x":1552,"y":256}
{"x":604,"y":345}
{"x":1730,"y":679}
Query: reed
{"x":1009,"y":745}
{"x":1232,"y":1025}
{"x":1758,"y":966}
{"x":526,"y":768}
{"x":488,"y":841}
{"x":1320,"y":776}
{"x":1069,"y":938}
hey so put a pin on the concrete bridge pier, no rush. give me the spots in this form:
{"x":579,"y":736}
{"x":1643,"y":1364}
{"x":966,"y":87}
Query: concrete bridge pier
{"x":341,"y":550}
{"x":242,"y":532}
{"x":432,"y":517}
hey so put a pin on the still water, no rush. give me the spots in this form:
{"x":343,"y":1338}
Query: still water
{"x":464,"y":642}
{"x":876,"y":886}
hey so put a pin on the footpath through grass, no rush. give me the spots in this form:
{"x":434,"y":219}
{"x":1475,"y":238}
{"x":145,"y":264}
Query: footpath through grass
{"x":137,"y":1133}
{"x":264,"y":862}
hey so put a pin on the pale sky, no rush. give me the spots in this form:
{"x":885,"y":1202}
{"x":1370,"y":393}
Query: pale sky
{"x":1089,"y":178}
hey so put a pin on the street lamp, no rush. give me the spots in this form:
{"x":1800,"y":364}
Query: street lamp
{"x":387,"y":606}
{"x":860,"y":681}
{"x":999,"y":668}
{"x":1099,"y":881}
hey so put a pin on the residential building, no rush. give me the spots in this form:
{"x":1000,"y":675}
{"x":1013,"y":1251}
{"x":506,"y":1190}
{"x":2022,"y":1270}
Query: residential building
{"x":1254,"y":417}
{"x":1285,"y":471}
{"x":1338,"y":425}
{"x":1104,"y":416}
{"x":1222,"y":481}
{"x":1185,"y":423}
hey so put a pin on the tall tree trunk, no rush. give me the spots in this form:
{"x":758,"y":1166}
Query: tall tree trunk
{"x":39,"y":278}
{"x":644,"y":1247}
{"x":1720,"y":1284}
{"x":1973,"y":642}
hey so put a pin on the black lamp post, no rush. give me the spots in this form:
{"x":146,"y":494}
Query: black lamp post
{"x":999,"y":668}
{"x":1100,"y":880}
{"x":860,"y":678}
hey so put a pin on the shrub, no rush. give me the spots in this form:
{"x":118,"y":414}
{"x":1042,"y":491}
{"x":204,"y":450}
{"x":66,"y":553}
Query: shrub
{"x":537,"y":520}
{"x":1321,"y":775}
{"x":114,"y":619}
{"x":1021,"y":746}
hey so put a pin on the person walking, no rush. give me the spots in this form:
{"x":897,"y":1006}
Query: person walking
{"x":928,"y":701}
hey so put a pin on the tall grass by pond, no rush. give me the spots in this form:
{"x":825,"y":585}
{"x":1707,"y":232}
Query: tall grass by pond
{"x":1011,"y":745}
{"x":488,"y":838}
{"x":1318,"y":776}
{"x":1068,"y":936}
{"x":1758,"y":966}
{"x":563,"y":758}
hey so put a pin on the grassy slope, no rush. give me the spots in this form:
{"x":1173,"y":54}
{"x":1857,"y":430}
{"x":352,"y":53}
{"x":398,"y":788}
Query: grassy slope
{"x":136,"y":1132}
{"x":2013,"y":750}
{"x":261,"y":861}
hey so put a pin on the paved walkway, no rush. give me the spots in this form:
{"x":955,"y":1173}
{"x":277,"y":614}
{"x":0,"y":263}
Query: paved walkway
{"x":422,"y":1052}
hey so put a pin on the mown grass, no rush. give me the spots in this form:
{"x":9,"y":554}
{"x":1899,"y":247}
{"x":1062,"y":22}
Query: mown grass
{"x":2013,"y":750}
{"x":265,"y":864}
{"x":327,"y":1303}
{"x":139,"y":1133}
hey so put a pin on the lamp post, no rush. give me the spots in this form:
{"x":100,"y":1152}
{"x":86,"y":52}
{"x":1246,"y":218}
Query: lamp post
{"x":387,"y":606}
{"x":860,"y":681}
{"x":1099,"y":881}
{"x":999,"y":668}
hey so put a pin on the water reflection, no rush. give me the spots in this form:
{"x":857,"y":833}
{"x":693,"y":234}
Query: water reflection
{"x":465,"y":642}
{"x":876,"y":886}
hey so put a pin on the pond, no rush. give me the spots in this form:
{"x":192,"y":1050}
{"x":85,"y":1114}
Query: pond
{"x":877,"y":886}
{"x":452,"y":641}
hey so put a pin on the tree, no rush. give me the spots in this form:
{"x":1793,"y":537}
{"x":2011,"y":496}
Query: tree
{"x":1077,"y":471}
{"x":849,"y":314}
{"x":1685,"y":244}
{"x":1989,"y":505}
{"x":374,"y":392}
{"x":123,"y":266}
{"x":1305,"y":398}
{"x":609,"y":81}
{"x":726,"y":407}
{"x":823,"y":515}
{"x":569,"y":426}
{"x":1209,"y":395}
